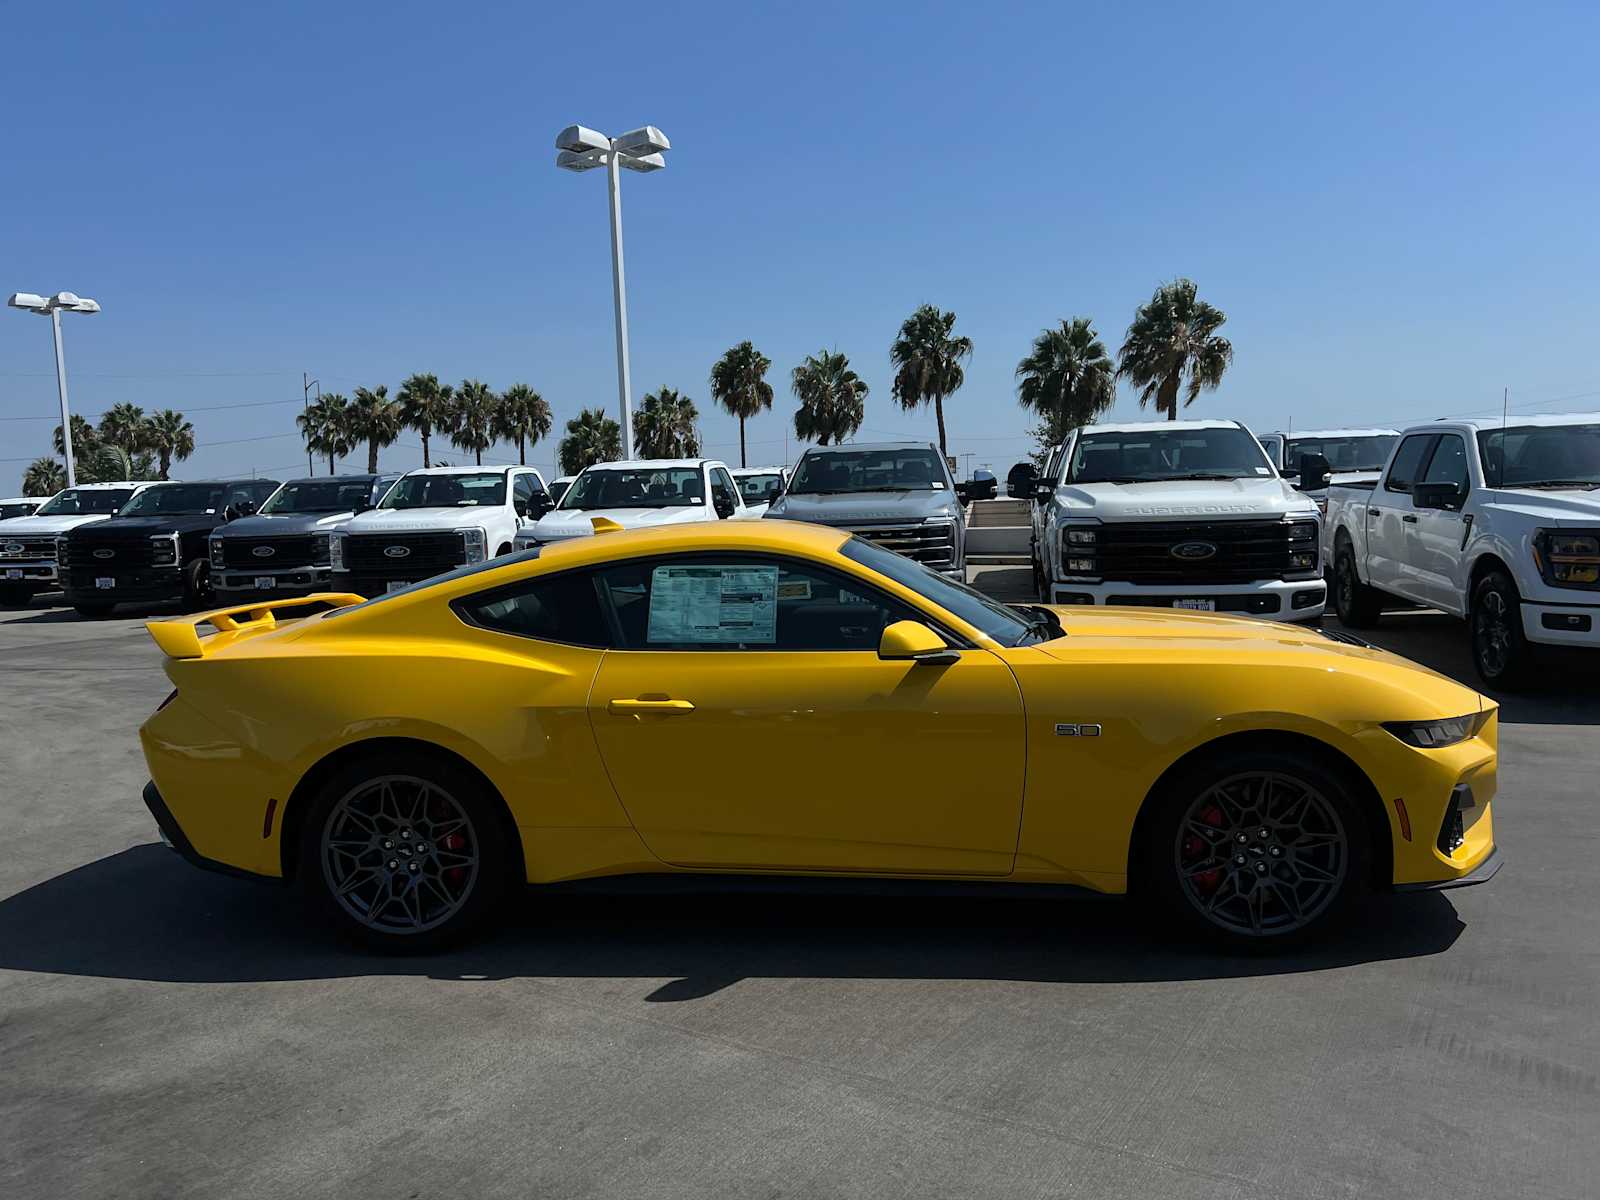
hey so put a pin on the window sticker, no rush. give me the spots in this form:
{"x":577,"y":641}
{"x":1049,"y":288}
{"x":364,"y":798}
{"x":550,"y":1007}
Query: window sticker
{"x":794,"y":589}
{"x":713,"y":605}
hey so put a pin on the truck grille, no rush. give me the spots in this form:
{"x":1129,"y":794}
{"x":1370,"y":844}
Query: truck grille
{"x":108,"y":554}
{"x":425,"y":554}
{"x":930,"y":544}
{"x":1244,"y":552}
{"x":289,"y":551}
{"x":30,"y":548}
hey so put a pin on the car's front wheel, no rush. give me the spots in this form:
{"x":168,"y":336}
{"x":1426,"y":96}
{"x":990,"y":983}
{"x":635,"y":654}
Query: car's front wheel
{"x":1256,"y":849}
{"x":404,"y":852}
{"x":1500,"y":650}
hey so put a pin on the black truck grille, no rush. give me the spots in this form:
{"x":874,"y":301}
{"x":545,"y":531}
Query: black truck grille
{"x":373,"y":554}
{"x":1175,"y":552}
{"x":111,"y":554}
{"x":240,"y":552}
{"x":930,"y":544}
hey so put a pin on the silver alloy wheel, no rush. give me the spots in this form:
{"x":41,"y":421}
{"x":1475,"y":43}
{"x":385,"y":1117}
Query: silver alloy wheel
{"x":400,"y":854}
{"x":1491,"y":627}
{"x":1261,"y":853}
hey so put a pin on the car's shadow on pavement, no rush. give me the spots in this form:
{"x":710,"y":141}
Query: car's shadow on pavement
{"x":143,"y":914}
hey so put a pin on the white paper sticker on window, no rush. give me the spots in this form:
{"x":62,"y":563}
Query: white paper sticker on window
{"x":713,"y":605}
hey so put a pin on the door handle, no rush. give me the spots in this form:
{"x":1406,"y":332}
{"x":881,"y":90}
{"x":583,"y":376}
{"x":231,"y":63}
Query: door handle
{"x":1410,"y":518}
{"x":663,"y":706}
{"x":1374,"y":512}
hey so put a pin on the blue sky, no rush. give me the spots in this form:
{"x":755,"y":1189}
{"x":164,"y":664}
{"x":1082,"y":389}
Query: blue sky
{"x":1397,"y":208}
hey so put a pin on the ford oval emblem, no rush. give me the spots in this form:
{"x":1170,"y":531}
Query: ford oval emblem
{"x":263,"y":552}
{"x":105,"y":553}
{"x":12,"y":547}
{"x":396,"y":551}
{"x":1193,"y":551}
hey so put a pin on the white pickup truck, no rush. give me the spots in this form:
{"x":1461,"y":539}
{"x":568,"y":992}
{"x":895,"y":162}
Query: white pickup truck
{"x":434,"y":520}
{"x":1176,"y":514}
{"x":1496,"y":522}
{"x":640,"y":494}
{"x":28,"y":544}
{"x":1346,"y":456}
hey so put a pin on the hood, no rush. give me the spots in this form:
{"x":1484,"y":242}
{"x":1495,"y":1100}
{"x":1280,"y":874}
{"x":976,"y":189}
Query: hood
{"x":278,"y":526}
{"x":850,"y":508}
{"x":1566,"y":508}
{"x":420,"y":520}
{"x":1178,"y":498}
{"x":572,"y":522}
{"x":129,"y":527}
{"x":37,"y":526}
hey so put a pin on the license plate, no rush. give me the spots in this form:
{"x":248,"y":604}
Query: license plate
{"x":266,"y":583}
{"x":105,"y":582}
{"x":394,"y":585}
{"x":13,"y":572}
{"x":1197,"y":605}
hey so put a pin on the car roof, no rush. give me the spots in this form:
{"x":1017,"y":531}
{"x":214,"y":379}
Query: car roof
{"x":856,"y":447}
{"x":22,"y":499}
{"x":224,"y":482}
{"x":712,"y":535}
{"x":363,"y":477}
{"x":1292,"y":434}
{"x":1156,"y":426}
{"x":653,"y":464}
{"x":757,"y":470}
{"x":116,"y":483}
{"x":1492,"y":423}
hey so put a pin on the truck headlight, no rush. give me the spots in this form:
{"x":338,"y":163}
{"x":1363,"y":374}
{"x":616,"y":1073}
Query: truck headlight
{"x":1302,"y":531}
{"x":216,"y":553}
{"x":1083,"y":537}
{"x":319,"y":549}
{"x":164,"y":549}
{"x":1080,"y":552}
{"x":1568,"y":558}
{"x":1430,"y":735}
{"x":336,"y":551}
{"x":474,"y":545}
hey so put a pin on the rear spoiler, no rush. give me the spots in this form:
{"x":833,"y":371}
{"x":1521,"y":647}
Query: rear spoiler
{"x":180,"y":636}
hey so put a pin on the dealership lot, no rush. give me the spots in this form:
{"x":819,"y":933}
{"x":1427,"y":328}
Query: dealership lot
{"x":166,"y":1032}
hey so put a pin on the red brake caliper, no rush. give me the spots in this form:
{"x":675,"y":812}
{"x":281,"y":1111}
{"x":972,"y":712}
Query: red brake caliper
{"x":454,"y":842}
{"x":1195,"y":848}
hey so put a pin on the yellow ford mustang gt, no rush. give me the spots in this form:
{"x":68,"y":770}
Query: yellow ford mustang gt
{"x":749,"y":697}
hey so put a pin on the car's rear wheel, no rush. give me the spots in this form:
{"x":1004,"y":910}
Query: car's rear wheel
{"x":1357,"y":604}
{"x":1500,"y":650}
{"x":1256,"y":849}
{"x":404,"y":852}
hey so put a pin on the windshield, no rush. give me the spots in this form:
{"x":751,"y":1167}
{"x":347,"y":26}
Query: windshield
{"x":754,"y":488}
{"x":657,"y":487}
{"x":176,"y":500}
{"x":830,"y":471}
{"x":1151,"y":455}
{"x":447,"y":491}
{"x":1342,"y":453}
{"x":1005,"y":625}
{"x":1531,"y":455}
{"x":20,"y":509}
{"x":78,"y":502}
{"x":558,"y":489}
{"x":319,"y":496}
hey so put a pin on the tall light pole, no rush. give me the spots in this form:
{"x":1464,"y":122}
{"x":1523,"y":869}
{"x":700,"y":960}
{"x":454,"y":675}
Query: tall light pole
{"x":582,"y":149}
{"x":305,"y":407}
{"x":53,"y":306}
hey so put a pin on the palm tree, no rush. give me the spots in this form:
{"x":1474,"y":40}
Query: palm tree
{"x":171,"y":436}
{"x":927,"y":360}
{"x":739,"y":384}
{"x":425,"y":406}
{"x":44,"y":477}
{"x":591,"y":437}
{"x":832,"y":398}
{"x":374,"y":419}
{"x":325,"y":428}
{"x":472,"y":417}
{"x":125,"y":425}
{"x":1068,"y":378}
{"x":523,"y":417}
{"x":1174,"y":334}
{"x":85,"y":437}
{"x":663,"y":427}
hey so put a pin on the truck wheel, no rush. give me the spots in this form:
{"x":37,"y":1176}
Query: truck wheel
{"x":1255,"y":849}
{"x":1500,"y":650}
{"x":404,"y":853}
{"x":93,"y":611}
{"x":15,"y":595}
{"x":1357,"y":604}
{"x":1041,"y":586}
{"x":197,"y":590}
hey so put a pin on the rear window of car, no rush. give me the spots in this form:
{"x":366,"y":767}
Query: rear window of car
{"x":554,"y":608}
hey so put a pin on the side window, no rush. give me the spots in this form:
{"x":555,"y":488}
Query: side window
{"x":1449,"y":462}
{"x":748,"y":604}
{"x":1407,"y":460}
{"x":723,"y":493}
{"x":551,"y":608}
{"x":522,"y":490}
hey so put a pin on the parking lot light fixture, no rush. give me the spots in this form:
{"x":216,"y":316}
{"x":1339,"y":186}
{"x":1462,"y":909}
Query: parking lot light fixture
{"x":53,"y":307}
{"x":579,"y":149}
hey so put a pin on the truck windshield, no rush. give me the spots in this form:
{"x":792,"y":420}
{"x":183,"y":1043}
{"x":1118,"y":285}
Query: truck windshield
{"x":80,"y":502}
{"x":20,"y":509}
{"x":1005,"y":625}
{"x":1151,"y":456}
{"x":1541,"y":456}
{"x":176,"y":500}
{"x":1342,"y":453}
{"x":755,"y":487}
{"x":825,"y":472}
{"x":447,"y":491}
{"x":650,"y":487}
{"x":319,"y":496}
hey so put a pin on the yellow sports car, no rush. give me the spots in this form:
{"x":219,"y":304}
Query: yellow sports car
{"x":749,"y":697}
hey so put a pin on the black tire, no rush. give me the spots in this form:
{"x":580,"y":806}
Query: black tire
{"x":1041,"y":586}
{"x":1501,"y":652}
{"x":418,"y":894}
{"x":1358,"y":605}
{"x":15,"y":595}
{"x":197,"y":591}
{"x":1302,"y":880}
{"x":503,"y":551}
{"x":93,"y":611}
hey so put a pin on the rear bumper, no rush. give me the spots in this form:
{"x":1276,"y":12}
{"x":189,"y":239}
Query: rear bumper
{"x":173,"y":835}
{"x":1274,"y":599}
{"x":1482,"y":873}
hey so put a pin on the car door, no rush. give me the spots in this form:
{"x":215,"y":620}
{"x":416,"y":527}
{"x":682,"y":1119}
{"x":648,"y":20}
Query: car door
{"x":1433,"y":546}
{"x":749,"y":723}
{"x":1389,"y":516}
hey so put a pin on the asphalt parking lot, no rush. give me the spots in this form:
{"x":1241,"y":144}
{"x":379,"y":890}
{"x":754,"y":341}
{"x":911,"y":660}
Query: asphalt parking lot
{"x":164,"y":1032}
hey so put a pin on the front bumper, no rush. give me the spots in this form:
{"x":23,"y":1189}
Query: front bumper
{"x":1482,"y":873}
{"x":127,"y":587}
{"x":36,"y":572}
{"x":1561,"y":624}
{"x":289,"y":583}
{"x":1274,"y":599}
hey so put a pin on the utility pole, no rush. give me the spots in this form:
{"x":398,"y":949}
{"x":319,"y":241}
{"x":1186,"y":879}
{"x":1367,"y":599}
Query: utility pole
{"x":306,"y":384}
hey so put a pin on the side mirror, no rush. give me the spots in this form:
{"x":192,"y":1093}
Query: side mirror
{"x":915,"y":641}
{"x":774,"y":490}
{"x":1314,"y":472}
{"x":1445,"y":496}
{"x":1042,"y":492}
{"x":723,"y":505}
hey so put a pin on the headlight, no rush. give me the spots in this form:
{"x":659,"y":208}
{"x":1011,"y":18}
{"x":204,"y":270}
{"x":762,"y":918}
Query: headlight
{"x":1430,"y":735}
{"x":336,"y":551}
{"x":1566,"y":558}
{"x":1302,"y":531}
{"x":319,"y":549}
{"x":216,"y":554}
{"x":1082,"y":537}
{"x":474,"y":545}
{"x":1080,"y":549}
{"x":164,"y":550}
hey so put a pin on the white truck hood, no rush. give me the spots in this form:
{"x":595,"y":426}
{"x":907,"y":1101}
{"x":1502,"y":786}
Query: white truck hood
{"x":35,"y":526}
{"x":567,"y":523}
{"x":1566,"y":508}
{"x":1179,"y":498}
{"x":421,"y":520}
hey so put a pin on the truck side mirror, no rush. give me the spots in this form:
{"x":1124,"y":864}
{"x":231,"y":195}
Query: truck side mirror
{"x":1314,"y":472}
{"x":1042,"y":492}
{"x":1445,"y":496}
